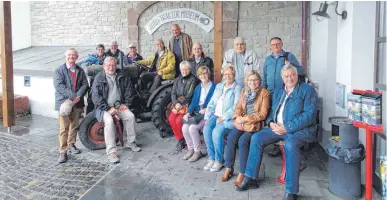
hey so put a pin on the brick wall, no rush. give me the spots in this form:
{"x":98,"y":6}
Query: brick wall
{"x":90,"y":23}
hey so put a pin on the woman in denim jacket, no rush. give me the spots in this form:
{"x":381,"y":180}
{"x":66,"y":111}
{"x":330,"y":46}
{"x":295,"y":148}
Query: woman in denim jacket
{"x":218,"y":117}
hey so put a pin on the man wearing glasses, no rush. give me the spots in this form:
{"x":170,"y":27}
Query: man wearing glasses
{"x":273,"y":65}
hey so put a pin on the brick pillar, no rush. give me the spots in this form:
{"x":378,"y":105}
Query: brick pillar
{"x":133,"y":16}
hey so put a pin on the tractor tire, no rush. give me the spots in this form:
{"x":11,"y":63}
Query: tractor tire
{"x":91,"y":133}
{"x":160,"y":111}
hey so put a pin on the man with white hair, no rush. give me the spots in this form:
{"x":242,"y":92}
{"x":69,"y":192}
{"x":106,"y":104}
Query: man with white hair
{"x":162,"y":65}
{"x":243,"y":59}
{"x":112,"y":95}
{"x":116,"y":53}
{"x":70,"y":86}
{"x":292,"y":118}
{"x":181,"y":45}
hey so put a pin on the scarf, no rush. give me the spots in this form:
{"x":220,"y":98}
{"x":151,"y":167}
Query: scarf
{"x":249,"y":99}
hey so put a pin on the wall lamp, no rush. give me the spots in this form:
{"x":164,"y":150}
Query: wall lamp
{"x":322,"y":14}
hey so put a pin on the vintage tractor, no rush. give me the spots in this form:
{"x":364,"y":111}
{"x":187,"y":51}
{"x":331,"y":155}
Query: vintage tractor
{"x":145,"y":106}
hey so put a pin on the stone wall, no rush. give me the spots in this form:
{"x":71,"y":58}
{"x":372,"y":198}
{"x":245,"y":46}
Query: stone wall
{"x":146,"y":41}
{"x":90,"y":23}
{"x":79,"y":22}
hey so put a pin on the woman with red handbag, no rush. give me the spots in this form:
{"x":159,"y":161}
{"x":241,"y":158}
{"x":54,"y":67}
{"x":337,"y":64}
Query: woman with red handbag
{"x":182,"y":91}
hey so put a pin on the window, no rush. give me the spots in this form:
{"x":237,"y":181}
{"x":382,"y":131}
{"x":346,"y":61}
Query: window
{"x":380,"y":86}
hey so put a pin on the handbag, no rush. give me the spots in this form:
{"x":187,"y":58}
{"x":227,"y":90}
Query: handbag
{"x":193,"y":119}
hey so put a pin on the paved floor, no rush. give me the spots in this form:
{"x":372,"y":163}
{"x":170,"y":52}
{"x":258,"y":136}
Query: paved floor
{"x":28,"y":170}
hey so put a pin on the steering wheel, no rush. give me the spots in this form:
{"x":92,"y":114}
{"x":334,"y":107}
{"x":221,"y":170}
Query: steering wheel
{"x":142,"y":67}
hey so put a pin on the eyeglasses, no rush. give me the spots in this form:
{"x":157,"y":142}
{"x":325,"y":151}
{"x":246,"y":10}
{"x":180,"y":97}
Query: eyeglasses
{"x":204,"y":73}
{"x":252,"y":80}
{"x":276,"y":44}
{"x":228,"y":74}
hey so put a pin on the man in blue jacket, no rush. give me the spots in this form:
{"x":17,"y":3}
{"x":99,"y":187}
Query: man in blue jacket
{"x":70,"y":85}
{"x":271,"y":78}
{"x":292,"y":118}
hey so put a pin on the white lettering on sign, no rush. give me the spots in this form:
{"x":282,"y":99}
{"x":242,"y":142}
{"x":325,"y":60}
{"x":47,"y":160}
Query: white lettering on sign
{"x":190,"y":15}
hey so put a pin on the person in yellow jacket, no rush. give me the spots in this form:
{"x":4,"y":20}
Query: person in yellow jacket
{"x":162,"y":66}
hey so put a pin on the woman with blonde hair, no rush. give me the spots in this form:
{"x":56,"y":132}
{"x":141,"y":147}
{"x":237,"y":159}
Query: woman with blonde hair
{"x":249,"y":117}
{"x":193,"y":121}
{"x":219,"y":118}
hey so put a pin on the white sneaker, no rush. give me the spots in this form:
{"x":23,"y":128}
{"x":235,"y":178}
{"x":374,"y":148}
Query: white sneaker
{"x":216,"y":167}
{"x":133,"y":146}
{"x":113,"y":158}
{"x":209,"y":165}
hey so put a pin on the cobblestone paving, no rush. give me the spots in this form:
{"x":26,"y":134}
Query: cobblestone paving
{"x":30,"y":170}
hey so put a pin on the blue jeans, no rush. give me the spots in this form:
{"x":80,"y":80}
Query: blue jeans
{"x":293,"y":143}
{"x":213,"y":136}
{"x":242,"y":139}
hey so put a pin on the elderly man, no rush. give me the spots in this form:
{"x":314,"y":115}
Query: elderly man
{"x":181,"y":45}
{"x":271,"y":78}
{"x":292,"y":118}
{"x":70,"y":86}
{"x":162,"y":66}
{"x":198,"y":59}
{"x":116,"y":53}
{"x":110,"y":88}
{"x":243,"y":59}
{"x":132,"y":56}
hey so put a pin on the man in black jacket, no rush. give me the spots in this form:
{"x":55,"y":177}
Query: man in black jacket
{"x":70,"y":86}
{"x":109,"y":88}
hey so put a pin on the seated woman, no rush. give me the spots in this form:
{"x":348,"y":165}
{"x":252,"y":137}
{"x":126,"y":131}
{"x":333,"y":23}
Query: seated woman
{"x":249,"y":117}
{"x":199,"y":59}
{"x":97,"y":58}
{"x":202,"y":95}
{"x":219,"y":118}
{"x":182,"y":91}
{"x":292,"y":118}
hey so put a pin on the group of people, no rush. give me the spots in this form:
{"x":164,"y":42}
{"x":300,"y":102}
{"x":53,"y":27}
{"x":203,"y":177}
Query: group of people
{"x":248,"y":108}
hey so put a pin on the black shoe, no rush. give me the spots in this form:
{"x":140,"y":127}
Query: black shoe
{"x":246,"y":184}
{"x":62,"y":157}
{"x":180,"y":145}
{"x":275,"y":151}
{"x":73,"y":150}
{"x":289,"y":196}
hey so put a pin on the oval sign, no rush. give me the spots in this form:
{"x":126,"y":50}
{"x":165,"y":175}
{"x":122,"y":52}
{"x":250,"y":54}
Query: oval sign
{"x":190,"y":15}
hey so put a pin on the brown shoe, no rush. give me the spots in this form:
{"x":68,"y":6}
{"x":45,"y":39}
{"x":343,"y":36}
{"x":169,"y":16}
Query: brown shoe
{"x":239,"y":179}
{"x":227,"y":174}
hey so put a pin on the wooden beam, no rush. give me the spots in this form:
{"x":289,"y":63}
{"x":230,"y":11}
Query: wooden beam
{"x":7,"y":64}
{"x":218,"y":39}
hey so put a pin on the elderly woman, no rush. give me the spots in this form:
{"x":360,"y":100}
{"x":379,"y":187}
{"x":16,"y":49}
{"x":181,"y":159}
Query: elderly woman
{"x":219,"y":118}
{"x":292,"y":118}
{"x":97,"y":58}
{"x":244,"y":60}
{"x":182,"y":91}
{"x":199,"y":59}
{"x":202,"y":96}
{"x":249,"y":117}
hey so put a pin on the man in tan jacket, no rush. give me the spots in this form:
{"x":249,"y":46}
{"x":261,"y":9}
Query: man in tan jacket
{"x":181,"y":45}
